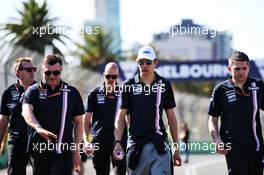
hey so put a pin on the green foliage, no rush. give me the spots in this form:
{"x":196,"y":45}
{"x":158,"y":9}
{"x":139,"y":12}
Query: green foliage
{"x":25,"y":30}
{"x":96,"y":49}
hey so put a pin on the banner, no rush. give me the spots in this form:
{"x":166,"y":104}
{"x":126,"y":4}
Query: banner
{"x":189,"y":70}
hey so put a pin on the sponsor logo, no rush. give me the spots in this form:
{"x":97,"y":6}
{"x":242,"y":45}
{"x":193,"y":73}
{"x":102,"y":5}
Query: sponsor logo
{"x":231,"y":96}
{"x":43,"y":94}
{"x":100,"y":99}
{"x":15,"y":95}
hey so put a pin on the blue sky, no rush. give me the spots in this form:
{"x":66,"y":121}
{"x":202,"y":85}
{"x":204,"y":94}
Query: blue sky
{"x":141,"y":18}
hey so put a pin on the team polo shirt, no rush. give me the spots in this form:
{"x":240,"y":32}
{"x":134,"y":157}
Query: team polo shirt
{"x":11,"y":106}
{"x":103,"y":106}
{"x":239,"y":112}
{"x":145,"y":104}
{"x":48,"y":104}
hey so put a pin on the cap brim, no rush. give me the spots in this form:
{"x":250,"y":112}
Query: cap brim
{"x":145,"y":57}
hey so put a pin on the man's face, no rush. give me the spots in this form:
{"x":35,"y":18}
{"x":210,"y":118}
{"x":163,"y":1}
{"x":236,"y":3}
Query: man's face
{"x":51,"y":74}
{"x":110,"y":76}
{"x":26,"y":73}
{"x":146,"y":66}
{"x":239,"y":71}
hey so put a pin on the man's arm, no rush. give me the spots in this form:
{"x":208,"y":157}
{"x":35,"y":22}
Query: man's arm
{"x":213,"y":128}
{"x":86,"y":122}
{"x":172,"y":121}
{"x":120,"y":123}
{"x":78,"y":131}
{"x":4,"y":119}
{"x":119,"y":129}
{"x":214,"y":131}
{"x":27,"y":113}
{"x":88,"y":149}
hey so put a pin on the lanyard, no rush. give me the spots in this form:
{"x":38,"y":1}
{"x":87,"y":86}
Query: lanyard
{"x":52,"y":95}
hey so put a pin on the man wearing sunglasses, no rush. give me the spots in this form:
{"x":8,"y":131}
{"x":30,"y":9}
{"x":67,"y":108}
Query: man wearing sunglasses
{"x":54,"y":110}
{"x":148,"y":150}
{"x":237,"y":101}
{"x":10,"y":113}
{"x":101,"y":108}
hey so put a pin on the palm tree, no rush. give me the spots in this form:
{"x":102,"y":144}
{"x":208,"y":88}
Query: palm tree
{"x":96,"y":50}
{"x":33,"y":29}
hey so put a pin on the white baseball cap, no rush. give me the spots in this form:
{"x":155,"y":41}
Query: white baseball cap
{"x":146,"y":52}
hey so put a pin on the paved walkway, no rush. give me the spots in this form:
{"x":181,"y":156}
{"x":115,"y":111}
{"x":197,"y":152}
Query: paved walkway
{"x":198,"y":165}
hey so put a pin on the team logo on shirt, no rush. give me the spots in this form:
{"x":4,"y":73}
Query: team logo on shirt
{"x":11,"y":106}
{"x":43,"y":94}
{"x":100,"y":98}
{"x":253,"y":88}
{"x":137,"y":89}
{"x":231,"y":95}
{"x":65,"y":90}
{"x":15,"y":95}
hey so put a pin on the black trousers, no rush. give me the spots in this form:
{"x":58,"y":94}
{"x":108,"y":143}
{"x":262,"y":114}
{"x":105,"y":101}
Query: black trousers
{"x":240,"y":162}
{"x":17,"y":160}
{"x":52,"y":163}
{"x":101,"y":162}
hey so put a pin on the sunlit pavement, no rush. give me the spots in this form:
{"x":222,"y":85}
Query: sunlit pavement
{"x":203,"y":165}
{"x":198,"y":165}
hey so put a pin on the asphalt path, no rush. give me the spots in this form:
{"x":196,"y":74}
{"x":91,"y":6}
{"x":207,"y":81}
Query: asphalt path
{"x":198,"y":165}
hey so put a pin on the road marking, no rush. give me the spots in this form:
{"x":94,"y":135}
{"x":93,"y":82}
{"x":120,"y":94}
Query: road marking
{"x":192,"y":169}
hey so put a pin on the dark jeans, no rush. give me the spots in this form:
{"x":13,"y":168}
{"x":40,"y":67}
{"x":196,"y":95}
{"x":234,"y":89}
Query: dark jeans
{"x":17,"y":160}
{"x":186,"y":152}
{"x":101,"y":162}
{"x":52,"y":163}
{"x":241,"y":162}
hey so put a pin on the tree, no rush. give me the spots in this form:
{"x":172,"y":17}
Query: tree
{"x":33,"y":29}
{"x":96,"y":49}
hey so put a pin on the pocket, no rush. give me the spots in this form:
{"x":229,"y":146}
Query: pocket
{"x":167,"y":162}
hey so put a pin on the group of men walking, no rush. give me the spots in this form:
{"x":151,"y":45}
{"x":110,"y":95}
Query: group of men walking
{"x":48,"y":122}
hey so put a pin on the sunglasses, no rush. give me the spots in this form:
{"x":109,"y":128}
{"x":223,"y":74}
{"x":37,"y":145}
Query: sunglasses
{"x":55,"y":72}
{"x":111,"y":76}
{"x":238,"y":68}
{"x":29,"y":69}
{"x":147,"y":61}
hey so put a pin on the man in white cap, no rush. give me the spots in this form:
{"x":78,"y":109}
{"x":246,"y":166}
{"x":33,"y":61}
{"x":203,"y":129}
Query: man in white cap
{"x":144,"y":97}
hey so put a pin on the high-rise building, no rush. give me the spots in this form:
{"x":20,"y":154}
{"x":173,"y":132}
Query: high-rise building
{"x":107,"y":16}
{"x":184,"y":48}
{"x":190,"y":41}
{"x":222,"y":45}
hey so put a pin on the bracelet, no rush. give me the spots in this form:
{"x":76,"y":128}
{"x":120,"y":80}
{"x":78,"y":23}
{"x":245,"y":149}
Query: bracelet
{"x":117,"y":141}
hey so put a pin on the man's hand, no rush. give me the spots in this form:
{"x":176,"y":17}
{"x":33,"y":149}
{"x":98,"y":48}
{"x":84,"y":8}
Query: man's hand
{"x":2,"y":148}
{"x":213,"y":129}
{"x":220,"y":147}
{"x":49,"y":136}
{"x":2,"y":145}
{"x":76,"y":161}
{"x":176,"y":159}
{"x":118,"y":149}
{"x":27,"y":113}
{"x":88,"y":149}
